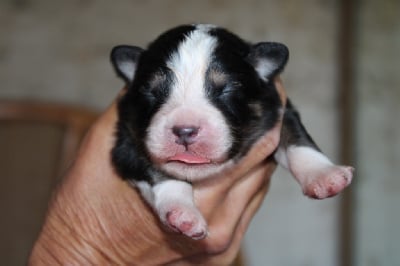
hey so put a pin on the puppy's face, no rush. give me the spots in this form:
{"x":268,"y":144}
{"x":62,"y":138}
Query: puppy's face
{"x":198,"y":97}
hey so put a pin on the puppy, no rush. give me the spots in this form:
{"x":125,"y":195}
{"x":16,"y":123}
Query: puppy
{"x":197,"y":98}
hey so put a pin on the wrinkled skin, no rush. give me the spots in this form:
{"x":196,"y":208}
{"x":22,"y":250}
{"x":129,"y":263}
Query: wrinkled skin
{"x":97,"y":218}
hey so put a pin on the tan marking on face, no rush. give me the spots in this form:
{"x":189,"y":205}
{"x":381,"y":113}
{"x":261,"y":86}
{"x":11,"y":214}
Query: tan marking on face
{"x":218,"y":78}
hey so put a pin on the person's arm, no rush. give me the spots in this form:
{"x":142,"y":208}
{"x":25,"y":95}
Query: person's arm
{"x":97,"y":218}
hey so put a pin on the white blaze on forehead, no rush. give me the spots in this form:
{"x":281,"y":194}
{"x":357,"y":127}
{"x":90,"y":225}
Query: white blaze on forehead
{"x":189,"y":64}
{"x":187,"y":104}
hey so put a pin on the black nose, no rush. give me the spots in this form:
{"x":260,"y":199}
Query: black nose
{"x":186,"y":135}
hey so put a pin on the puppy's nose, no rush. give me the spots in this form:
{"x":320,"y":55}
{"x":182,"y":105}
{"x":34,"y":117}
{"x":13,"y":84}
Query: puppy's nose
{"x":186,"y":135}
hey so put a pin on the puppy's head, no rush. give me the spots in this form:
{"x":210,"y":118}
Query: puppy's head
{"x":198,"y":97}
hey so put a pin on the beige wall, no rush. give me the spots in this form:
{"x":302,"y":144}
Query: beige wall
{"x":378,"y":130}
{"x":58,"y":51}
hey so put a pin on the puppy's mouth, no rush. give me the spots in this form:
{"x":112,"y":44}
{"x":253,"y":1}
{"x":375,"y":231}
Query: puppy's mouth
{"x":189,"y":158}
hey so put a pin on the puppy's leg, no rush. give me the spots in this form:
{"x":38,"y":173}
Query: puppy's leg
{"x":173,"y":201}
{"x":297,"y":152}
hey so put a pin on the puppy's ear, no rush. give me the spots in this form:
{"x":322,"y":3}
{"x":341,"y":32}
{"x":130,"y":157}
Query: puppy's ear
{"x":125,"y":59}
{"x":268,"y":58}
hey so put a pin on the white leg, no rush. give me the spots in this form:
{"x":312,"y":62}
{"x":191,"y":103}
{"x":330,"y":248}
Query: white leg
{"x":317,"y":175}
{"x":173,"y":201}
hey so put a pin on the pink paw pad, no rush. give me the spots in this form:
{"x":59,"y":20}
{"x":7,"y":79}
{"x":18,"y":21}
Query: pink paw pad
{"x":329,"y":182}
{"x":188,"y":223}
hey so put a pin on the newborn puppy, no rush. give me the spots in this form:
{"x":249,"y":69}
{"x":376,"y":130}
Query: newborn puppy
{"x":197,"y":99}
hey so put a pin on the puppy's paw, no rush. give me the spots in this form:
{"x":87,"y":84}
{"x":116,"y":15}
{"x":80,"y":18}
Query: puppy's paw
{"x":186,"y":220}
{"x":328,"y":182}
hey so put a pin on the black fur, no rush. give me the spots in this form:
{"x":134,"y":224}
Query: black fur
{"x":249,"y":103}
{"x":139,"y":104}
{"x":293,"y":132}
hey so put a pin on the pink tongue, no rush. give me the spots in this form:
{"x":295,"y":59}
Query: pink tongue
{"x":189,"y":158}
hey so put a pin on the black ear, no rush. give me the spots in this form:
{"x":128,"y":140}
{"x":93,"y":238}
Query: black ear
{"x":124,"y":59}
{"x":268,"y":58}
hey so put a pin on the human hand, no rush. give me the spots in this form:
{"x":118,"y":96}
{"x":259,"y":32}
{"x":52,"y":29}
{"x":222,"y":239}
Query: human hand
{"x":97,"y":218}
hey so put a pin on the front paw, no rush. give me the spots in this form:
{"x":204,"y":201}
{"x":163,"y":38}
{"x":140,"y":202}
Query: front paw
{"x":186,"y":220}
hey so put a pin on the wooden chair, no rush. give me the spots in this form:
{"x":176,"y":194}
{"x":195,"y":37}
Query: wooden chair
{"x":37,"y":142}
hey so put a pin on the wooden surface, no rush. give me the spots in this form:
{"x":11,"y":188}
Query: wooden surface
{"x":37,"y":142}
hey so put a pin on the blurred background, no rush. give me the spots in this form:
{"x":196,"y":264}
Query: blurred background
{"x":342,"y":76}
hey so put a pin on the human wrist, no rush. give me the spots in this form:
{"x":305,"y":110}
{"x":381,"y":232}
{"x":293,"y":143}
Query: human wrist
{"x":82,"y":228}
{"x":59,"y":241}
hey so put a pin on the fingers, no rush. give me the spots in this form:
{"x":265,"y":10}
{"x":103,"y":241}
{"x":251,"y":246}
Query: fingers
{"x":229,"y":215}
{"x":229,"y":224}
{"x":259,"y":152}
{"x":263,"y":148}
{"x":246,"y":186}
{"x":231,"y":252}
{"x":224,"y":216}
{"x":237,"y":184}
{"x":228,"y":255}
